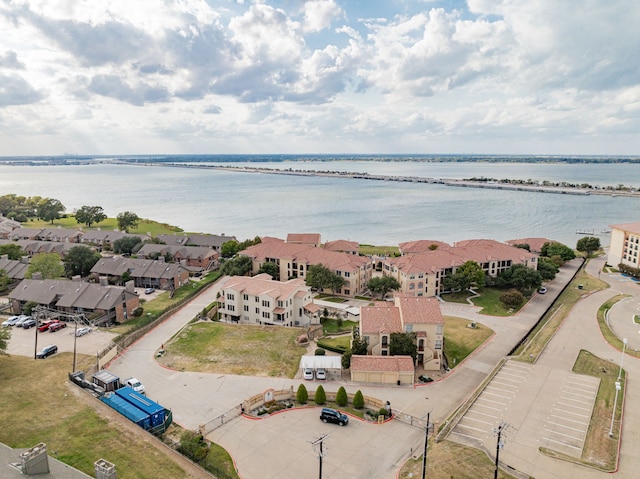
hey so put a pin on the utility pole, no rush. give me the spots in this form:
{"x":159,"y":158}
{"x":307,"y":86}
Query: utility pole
{"x":426,"y":441}
{"x":320,"y":443}
{"x":499,"y":444}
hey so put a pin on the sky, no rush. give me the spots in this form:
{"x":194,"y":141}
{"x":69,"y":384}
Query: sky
{"x":118,"y":77}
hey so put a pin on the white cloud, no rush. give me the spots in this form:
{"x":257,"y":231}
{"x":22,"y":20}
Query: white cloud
{"x":318,"y":14}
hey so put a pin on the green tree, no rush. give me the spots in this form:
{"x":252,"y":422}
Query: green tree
{"x":5,"y":335}
{"x":523,"y":246}
{"x":302,"y":396}
{"x":341,"y":397}
{"x":588,"y":245}
{"x":193,"y":446}
{"x":320,"y":277}
{"x":512,"y":298}
{"x":455,"y":282}
{"x":127,"y":220}
{"x":345,"y":360}
{"x":50,"y":209}
{"x":89,"y":215}
{"x":554,"y":248}
{"x":547,"y":268}
{"x":403,"y":344}
{"x":48,"y":264}
{"x":239,"y":266}
{"x":320,"y":397}
{"x":229,"y":249}
{"x":359,"y":346}
{"x":382,"y":285}
{"x":272,"y":269}
{"x":79,"y":260}
{"x":358,"y":400}
{"x":12,"y":250}
{"x":473,"y":272}
{"x":520,"y":277}
{"x":126,"y":245}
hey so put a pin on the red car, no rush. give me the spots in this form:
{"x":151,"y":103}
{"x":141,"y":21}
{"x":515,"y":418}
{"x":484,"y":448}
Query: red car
{"x":46,"y":325}
{"x":55,"y":326}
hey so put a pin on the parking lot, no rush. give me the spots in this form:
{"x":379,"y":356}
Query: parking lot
{"x":24,"y":342}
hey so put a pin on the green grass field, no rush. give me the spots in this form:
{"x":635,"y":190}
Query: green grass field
{"x":145,"y":226}
{"x":461,"y":340}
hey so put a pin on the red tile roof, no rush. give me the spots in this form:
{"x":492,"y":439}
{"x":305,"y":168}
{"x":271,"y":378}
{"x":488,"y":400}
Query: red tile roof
{"x":628,"y":227}
{"x":382,"y":363}
{"x":418,"y":309}
{"x":422,"y":246}
{"x":382,"y":318}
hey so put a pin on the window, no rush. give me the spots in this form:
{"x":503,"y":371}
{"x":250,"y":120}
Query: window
{"x":257,"y":299}
{"x":439,"y":329}
{"x":265,"y":303}
{"x":384,"y":352}
{"x":266,"y":314}
{"x":385,"y":341}
{"x":230,"y":296}
{"x":438,"y":344}
{"x":231,"y":307}
{"x":412,"y":286}
{"x":246,"y":308}
{"x":408,"y":328}
{"x":280,"y":304}
{"x":421,"y":275}
{"x":257,"y":310}
{"x":366,"y":339}
{"x":346,"y":274}
{"x":245,"y":297}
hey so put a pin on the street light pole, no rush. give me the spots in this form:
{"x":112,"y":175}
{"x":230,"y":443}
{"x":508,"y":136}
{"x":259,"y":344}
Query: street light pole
{"x":426,"y":440}
{"x":624,"y":345}
{"x":615,"y":405}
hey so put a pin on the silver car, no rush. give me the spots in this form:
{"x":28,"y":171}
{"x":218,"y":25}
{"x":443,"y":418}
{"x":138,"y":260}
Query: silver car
{"x":82,"y":331}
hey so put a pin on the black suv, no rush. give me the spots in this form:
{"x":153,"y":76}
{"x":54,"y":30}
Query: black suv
{"x":336,"y":417}
{"x":48,"y":351}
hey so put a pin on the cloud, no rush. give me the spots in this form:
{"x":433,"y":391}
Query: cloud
{"x":138,"y":95}
{"x":10,"y":60}
{"x":318,"y":14}
{"x":15,"y":90}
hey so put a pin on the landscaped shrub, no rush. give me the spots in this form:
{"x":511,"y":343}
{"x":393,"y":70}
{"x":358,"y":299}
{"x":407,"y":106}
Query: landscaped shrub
{"x":320,"y":396}
{"x":512,"y":298}
{"x":302,"y":396}
{"x":341,"y":397}
{"x":138,"y":312}
{"x":193,"y":446}
{"x":383,"y":412}
{"x":358,"y":400}
{"x":320,"y":352}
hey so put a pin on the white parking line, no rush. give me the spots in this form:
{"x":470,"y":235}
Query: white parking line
{"x":487,"y":407}
{"x":504,"y":384}
{"x":571,"y":420}
{"x":476,"y":420}
{"x":491,"y":400}
{"x":471,"y":411}
{"x":567,"y":427}
{"x":572,"y":413}
{"x":469,"y":427}
{"x":575,"y":407}
{"x":565,"y":435}
{"x":562,"y":443}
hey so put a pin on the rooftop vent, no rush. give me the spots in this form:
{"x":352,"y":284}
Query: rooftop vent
{"x":35,"y":460}
{"x":104,"y":469}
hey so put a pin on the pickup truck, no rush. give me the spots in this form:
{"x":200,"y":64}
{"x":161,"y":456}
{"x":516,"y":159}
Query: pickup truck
{"x":134,"y":384}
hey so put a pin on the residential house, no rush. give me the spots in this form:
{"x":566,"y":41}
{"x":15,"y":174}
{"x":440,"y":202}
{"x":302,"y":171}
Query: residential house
{"x":59,"y":234}
{"x":421,"y":274}
{"x":24,"y":233}
{"x":214,"y":242}
{"x":98,"y":301}
{"x":7,"y":225}
{"x":624,"y":245}
{"x":261,"y":300}
{"x":15,"y":269}
{"x":198,"y":257}
{"x":309,"y":239}
{"x":105,"y":238}
{"x":343,"y":246}
{"x":34,"y":247}
{"x":406,"y":314}
{"x":535,"y":244}
{"x":145,"y":273}
{"x":294,"y":261}
{"x":382,"y":369}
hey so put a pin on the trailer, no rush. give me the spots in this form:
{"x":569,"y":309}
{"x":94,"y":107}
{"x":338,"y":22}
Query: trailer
{"x":155,"y":411}
{"x":106,"y":380}
{"x":128,"y":410}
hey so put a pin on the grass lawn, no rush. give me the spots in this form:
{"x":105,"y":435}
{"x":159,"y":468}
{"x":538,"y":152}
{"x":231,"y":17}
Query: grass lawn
{"x":235,"y":349}
{"x":460,"y":340}
{"x":611,"y":338}
{"x":460,"y":297}
{"x":337,"y":342}
{"x":367,"y":249}
{"x":56,"y":416}
{"x":546,"y":329}
{"x":330,"y":325}
{"x":600,"y":450}
{"x":489,"y":301}
{"x":145,"y":226}
{"x":446,"y":460}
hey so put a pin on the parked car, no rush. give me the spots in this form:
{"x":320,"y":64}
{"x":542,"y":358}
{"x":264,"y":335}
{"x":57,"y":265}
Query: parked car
{"x":47,"y":351}
{"x":542,"y":290}
{"x":82,"y":331}
{"x":21,"y":319}
{"x":425,"y":379}
{"x":336,"y":417}
{"x":29,"y":323}
{"x":135,"y":384}
{"x":46,"y":324}
{"x":307,"y":373}
{"x":10,"y":321}
{"x":149,"y":291}
{"x":321,"y":373}
{"x":56,"y":326}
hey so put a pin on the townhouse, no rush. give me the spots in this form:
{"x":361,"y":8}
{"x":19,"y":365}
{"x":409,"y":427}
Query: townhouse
{"x":104,"y":239}
{"x":295,"y":259}
{"x":98,"y":302}
{"x":145,"y":273}
{"x":198,"y":257}
{"x":261,"y":300}
{"x":421,"y":273}
{"x":214,"y":242}
{"x":624,"y":245}
{"x":406,"y":314}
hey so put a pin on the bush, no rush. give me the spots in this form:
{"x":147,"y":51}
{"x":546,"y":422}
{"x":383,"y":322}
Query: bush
{"x":358,"y":400}
{"x":138,"y":312}
{"x":320,"y":352}
{"x":302,"y":396}
{"x":341,"y":397}
{"x":383,"y":412}
{"x":193,"y":446}
{"x":320,"y":396}
{"x":512,"y":298}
